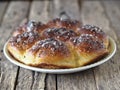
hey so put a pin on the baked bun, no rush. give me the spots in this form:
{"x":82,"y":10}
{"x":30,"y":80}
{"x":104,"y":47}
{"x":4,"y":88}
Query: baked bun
{"x":64,"y":23}
{"x":61,"y":43}
{"x":62,"y":34}
{"x":18,"y":45}
{"x":88,"y":48}
{"x":52,"y":53}
{"x":30,"y":26}
{"x":95,"y":31}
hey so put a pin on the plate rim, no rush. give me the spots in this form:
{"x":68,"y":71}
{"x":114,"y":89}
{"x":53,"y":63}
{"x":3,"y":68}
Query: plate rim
{"x":60,"y":71}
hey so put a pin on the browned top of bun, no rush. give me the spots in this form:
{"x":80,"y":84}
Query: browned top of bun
{"x":30,"y":26}
{"x":50,"y":47}
{"x":24,"y":40}
{"x":91,"y":29}
{"x":64,"y":23}
{"x":59,"y":33}
{"x":87,"y":43}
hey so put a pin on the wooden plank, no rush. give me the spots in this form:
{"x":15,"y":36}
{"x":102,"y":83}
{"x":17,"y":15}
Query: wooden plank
{"x":29,"y":80}
{"x":3,"y":6}
{"x":15,"y":13}
{"x":40,"y":11}
{"x":70,"y":7}
{"x":81,"y":80}
{"x":113,"y":14}
{"x":106,"y":75}
{"x":51,"y":82}
{"x":76,"y":81}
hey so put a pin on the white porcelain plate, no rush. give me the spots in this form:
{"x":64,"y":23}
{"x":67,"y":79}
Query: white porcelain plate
{"x":63,"y":71}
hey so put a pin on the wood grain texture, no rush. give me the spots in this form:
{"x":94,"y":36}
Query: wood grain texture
{"x":15,"y":13}
{"x":3,"y":7}
{"x":76,"y":81}
{"x":81,"y":80}
{"x":27,"y":79}
{"x":71,"y":7}
{"x":113,"y":14}
{"x":106,"y":75}
{"x":39,"y":11}
{"x":51,"y":83}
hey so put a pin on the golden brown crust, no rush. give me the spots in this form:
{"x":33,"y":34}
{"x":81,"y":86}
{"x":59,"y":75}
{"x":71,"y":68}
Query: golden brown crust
{"x":87,"y":43}
{"x":18,"y":45}
{"x":61,"y":43}
{"x":50,"y":47}
{"x":30,"y":26}
{"x":25,"y":40}
{"x":95,"y":31}
{"x":59,"y":33}
{"x":88,"y":48}
{"x":64,"y":23}
{"x":51,"y":51}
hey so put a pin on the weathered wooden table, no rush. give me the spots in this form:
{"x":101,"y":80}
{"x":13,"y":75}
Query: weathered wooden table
{"x":105,"y":14}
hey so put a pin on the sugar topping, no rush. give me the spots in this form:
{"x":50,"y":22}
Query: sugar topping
{"x":29,"y":35}
{"x":83,"y":37}
{"x":88,"y":42}
{"x":52,"y":45}
{"x":92,"y":28}
{"x":25,"y":39}
{"x":59,"y":33}
{"x":50,"y":42}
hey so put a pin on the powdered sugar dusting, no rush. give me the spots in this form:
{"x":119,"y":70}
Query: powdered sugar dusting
{"x":92,"y":28}
{"x":25,"y":39}
{"x":51,"y":45}
{"x":87,"y":42}
{"x":60,"y":33}
{"x":50,"y":42}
